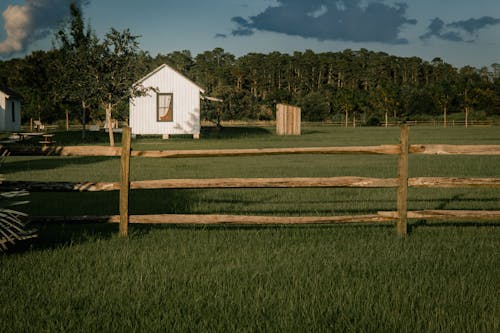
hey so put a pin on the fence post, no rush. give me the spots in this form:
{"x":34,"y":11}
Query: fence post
{"x":124,"y":181}
{"x":401,"y":224}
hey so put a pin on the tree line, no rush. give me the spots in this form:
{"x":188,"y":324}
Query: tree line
{"x":84,"y":79}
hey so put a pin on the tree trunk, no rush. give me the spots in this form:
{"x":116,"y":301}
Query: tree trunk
{"x":386,"y":120}
{"x":444,"y":116}
{"x":466,"y":116}
{"x":67,"y":120}
{"x":110,"y":126}
{"x":346,"y":119}
{"x":84,"y":107}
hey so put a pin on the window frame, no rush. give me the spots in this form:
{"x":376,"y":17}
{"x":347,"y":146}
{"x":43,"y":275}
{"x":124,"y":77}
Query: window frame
{"x":171,"y":106}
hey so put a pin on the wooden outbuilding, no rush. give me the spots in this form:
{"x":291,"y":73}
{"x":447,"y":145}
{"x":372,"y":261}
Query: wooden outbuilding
{"x":10,"y":110}
{"x":171,"y":108}
{"x":288,"y":119}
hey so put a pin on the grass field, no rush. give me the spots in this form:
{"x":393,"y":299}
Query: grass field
{"x":443,"y":278}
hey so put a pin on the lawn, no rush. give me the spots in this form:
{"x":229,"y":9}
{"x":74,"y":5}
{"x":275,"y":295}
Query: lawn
{"x":443,"y":277}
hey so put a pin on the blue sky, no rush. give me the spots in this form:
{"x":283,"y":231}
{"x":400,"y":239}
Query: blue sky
{"x":461,"y":32}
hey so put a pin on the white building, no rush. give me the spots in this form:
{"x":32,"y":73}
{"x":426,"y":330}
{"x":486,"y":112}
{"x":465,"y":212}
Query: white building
{"x":10,"y":111}
{"x":172,"y":108}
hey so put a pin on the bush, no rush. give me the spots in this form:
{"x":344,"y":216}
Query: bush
{"x":373,"y":121}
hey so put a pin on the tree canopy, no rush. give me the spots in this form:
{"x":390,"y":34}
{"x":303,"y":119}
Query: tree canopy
{"x":84,"y":73}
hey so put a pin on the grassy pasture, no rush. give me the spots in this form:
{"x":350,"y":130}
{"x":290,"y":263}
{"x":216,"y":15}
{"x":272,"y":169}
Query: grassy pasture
{"x":219,"y":278}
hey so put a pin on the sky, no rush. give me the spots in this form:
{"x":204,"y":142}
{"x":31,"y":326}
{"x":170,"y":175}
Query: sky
{"x":461,"y":32}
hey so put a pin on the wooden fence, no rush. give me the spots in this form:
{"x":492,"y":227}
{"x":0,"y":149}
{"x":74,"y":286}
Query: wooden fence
{"x":402,"y":182}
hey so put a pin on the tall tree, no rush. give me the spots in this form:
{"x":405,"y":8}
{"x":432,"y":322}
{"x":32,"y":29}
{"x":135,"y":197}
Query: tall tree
{"x":384,"y":99}
{"x":344,"y":101}
{"x":119,"y":68}
{"x":470,"y":81}
{"x":77,"y":65}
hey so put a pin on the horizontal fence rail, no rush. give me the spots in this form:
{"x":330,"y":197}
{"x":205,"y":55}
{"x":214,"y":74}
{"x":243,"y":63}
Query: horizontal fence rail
{"x":331,"y":182}
{"x":426,"y":149}
{"x":402,"y":182}
{"x":382,"y":217}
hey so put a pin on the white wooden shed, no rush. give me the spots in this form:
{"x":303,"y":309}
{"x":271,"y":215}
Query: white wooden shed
{"x":173,"y":108}
{"x":10,"y":111}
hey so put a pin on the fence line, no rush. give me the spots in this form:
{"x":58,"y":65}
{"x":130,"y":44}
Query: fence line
{"x":214,"y":183}
{"x":426,"y":149}
{"x":401,"y":183}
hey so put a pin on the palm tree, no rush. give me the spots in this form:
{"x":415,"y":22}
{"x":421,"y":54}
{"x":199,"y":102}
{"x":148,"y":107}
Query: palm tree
{"x":12,"y":226}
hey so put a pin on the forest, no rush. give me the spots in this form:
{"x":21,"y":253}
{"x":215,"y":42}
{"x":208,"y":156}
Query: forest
{"x":85,"y":79}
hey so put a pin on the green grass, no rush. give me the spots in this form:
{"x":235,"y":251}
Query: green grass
{"x":442,"y":278}
{"x":254,"y":279}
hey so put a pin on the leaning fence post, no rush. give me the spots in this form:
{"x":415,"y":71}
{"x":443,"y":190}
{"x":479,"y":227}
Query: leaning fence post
{"x":401,"y":224}
{"x":124,"y":181}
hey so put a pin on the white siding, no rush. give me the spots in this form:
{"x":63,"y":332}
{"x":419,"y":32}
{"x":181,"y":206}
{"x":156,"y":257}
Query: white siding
{"x":3,"y":105}
{"x":186,"y":105}
{"x":6,"y":121}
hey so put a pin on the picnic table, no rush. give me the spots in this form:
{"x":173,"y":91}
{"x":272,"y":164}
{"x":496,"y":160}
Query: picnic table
{"x":48,"y":139}
{"x":18,"y":136}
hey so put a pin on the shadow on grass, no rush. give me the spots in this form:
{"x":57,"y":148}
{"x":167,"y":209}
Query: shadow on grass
{"x":67,"y":138}
{"x":60,"y":235}
{"x":233,"y":132}
{"x":44,"y":163}
{"x":74,"y":138}
{"x":462,"y":224}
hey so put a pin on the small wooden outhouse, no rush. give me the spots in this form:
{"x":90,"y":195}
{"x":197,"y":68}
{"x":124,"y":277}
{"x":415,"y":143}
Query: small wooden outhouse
{"x":10,"y":111}
{"x":172,"y":107}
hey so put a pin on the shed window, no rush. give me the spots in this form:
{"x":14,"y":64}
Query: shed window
{"x":165,"y":110}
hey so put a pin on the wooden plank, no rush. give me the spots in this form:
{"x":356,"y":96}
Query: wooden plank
{"x":74,"y":219}
{"x":449,"y":215}
{"x":402,"y":201}
{"x":455,"y":149}
{"x":257,"y":220}
{"x":59,"y":186}
{"x":295,"y":130}
{"x":361,"y":182}
{"x":82,"y":151}
{"x":382,"y":149}
{"x":216,"y":219}
{"x":116,"y":151}
{"x":125,"y":181}
{"x":266,"y":183}
{"x":382,"y":216}
{"x":453,"y":182}
{"x":280,"y":128}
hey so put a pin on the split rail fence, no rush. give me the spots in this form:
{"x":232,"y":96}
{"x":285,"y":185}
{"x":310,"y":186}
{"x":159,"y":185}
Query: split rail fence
{"x":402,"y":182}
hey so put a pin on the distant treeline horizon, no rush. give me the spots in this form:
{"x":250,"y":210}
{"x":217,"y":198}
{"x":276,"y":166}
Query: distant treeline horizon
{"x":328,"y":86}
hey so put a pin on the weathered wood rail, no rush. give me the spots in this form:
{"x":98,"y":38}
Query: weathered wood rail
{"x":402,"y":182}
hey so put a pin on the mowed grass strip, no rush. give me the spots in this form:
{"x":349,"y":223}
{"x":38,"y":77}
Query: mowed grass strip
{"x":443,"y":277}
